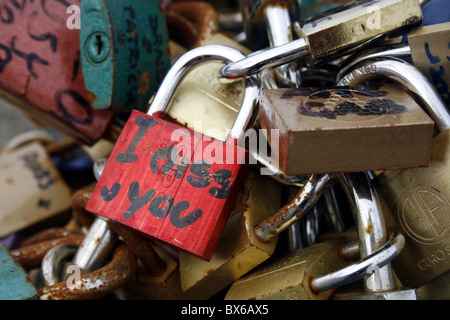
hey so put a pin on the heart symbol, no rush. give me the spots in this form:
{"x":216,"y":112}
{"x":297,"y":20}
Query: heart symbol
{"x":109,"y":195}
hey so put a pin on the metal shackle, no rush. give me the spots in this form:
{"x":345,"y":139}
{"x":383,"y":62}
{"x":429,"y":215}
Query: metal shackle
{"x":358,"y":270}
{"x":97,"y":283}
{"x":191,"y":59}
{"x":408,"y":76}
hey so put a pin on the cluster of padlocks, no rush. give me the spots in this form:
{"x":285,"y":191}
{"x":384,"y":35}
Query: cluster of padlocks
{"x":235,"y":150}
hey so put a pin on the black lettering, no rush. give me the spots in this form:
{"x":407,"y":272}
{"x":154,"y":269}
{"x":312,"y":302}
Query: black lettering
{"x":53,"y":40}
{"x":29,"y":58}
{"x":81,"y":101}
{"x":154,"y":207}
{"x":6,"y":14}
{"x":55,"y":17}
{"x":222,"y":177}
{"x":202,"y":178}
{"x":136,"y":201}
{"x":144,"y":124}
{"x":175,"y":213}
{"x":109,"y":195}
{"x":131,"y":11}
{"x":147,"y":45}
{"x":171,"y":154}
{"x":7,"y":59}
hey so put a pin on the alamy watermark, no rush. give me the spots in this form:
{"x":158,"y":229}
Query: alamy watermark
{"x":73,"y":21}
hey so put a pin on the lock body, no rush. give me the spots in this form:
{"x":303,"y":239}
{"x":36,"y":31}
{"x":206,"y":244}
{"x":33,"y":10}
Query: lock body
{"x":288,"y":277}
{"x":239,"y":250}
{"x":203,"y":101}
{"x":416,"y":202}
{"x":40,"y":71}
{"x":123,"y":49}
{"x":15,"y":284}
{"x":429,"y":52}
{"x":346,"y":129}
{"x":34,"y":188}
{"x":169,"y":183}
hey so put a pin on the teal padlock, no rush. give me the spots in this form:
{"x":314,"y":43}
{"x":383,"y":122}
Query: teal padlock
{"x":15,"y":284}
{"x":124,"y":52}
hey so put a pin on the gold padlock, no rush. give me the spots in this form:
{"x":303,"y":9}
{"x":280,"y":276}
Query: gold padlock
{"x":239,"y":249}
{"x":206,"y":99}
{"x":416,"y":201}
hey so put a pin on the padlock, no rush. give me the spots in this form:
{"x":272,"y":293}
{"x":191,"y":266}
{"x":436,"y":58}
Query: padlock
{"x":425,"y":47}
{"x":202,"y":96}
{"x":178,"y":189}
{"x":238,"y":250}
{"x":346,"y":129}
{"x":333,"y":32}
{"x":33,"y":189}
{"x":191,"y":23}
{"x":15,"y":283}
{"x":156,"y":276}
{"x":40,"y":71}
{"x":304,"y":273}
{"x":123,"y":50}
{"x":277,"y":17}
{"x":415,"y":201}
{"x":429,"y":51}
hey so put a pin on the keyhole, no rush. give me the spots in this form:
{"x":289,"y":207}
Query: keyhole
{"x":99,"y":44}
{"x":97,"y":47}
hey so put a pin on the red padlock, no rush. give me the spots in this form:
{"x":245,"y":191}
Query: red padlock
{"x":169,"y":182}
{"x":40,"y":69}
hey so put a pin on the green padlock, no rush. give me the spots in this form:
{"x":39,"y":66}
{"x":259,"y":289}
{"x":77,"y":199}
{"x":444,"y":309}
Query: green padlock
{"x":124,"y":52}
{"x":15,"y":283}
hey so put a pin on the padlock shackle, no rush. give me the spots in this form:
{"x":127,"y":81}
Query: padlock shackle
{"x":52,"y":262}
{"x":295,"y":209}
{"x":408,"y":76}
{"x":396,"y":50}
{"x":191,"y":59}
{"x":358,"y":270}
{"x":369,"y":220}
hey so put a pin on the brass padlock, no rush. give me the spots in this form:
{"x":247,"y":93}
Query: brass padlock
{"x":304,"y":273}
{"x":350,"y":129}
{"x":415,"y":201}
{"x":333,"y":32}
{"x":239,"y":250}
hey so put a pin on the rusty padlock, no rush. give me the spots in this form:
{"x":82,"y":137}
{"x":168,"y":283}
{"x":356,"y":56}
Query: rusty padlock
{"x":123,"y":50}
{"x":40,"y":69}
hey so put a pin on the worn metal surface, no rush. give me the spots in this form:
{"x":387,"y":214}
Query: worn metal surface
{"x":98,"y":283}
{"x":15,"y":283}
{"x":123,"y":49}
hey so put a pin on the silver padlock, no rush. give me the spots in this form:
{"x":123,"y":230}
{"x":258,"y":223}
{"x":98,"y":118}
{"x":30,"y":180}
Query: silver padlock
{"x":331,"y":32}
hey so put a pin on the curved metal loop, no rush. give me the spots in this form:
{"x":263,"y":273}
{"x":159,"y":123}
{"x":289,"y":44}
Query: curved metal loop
{"x":53,"y":260}
{"x":358,"y":270}
{"x":408,"y":76}
{"x":295,"y":209}
{"x":191,"y":59}
{"x":31,"y":256}
{"x":98,"y":283}
{"x":398,"y":50}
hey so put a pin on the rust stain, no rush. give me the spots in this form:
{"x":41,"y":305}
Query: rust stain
{"x":145,"y":83}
